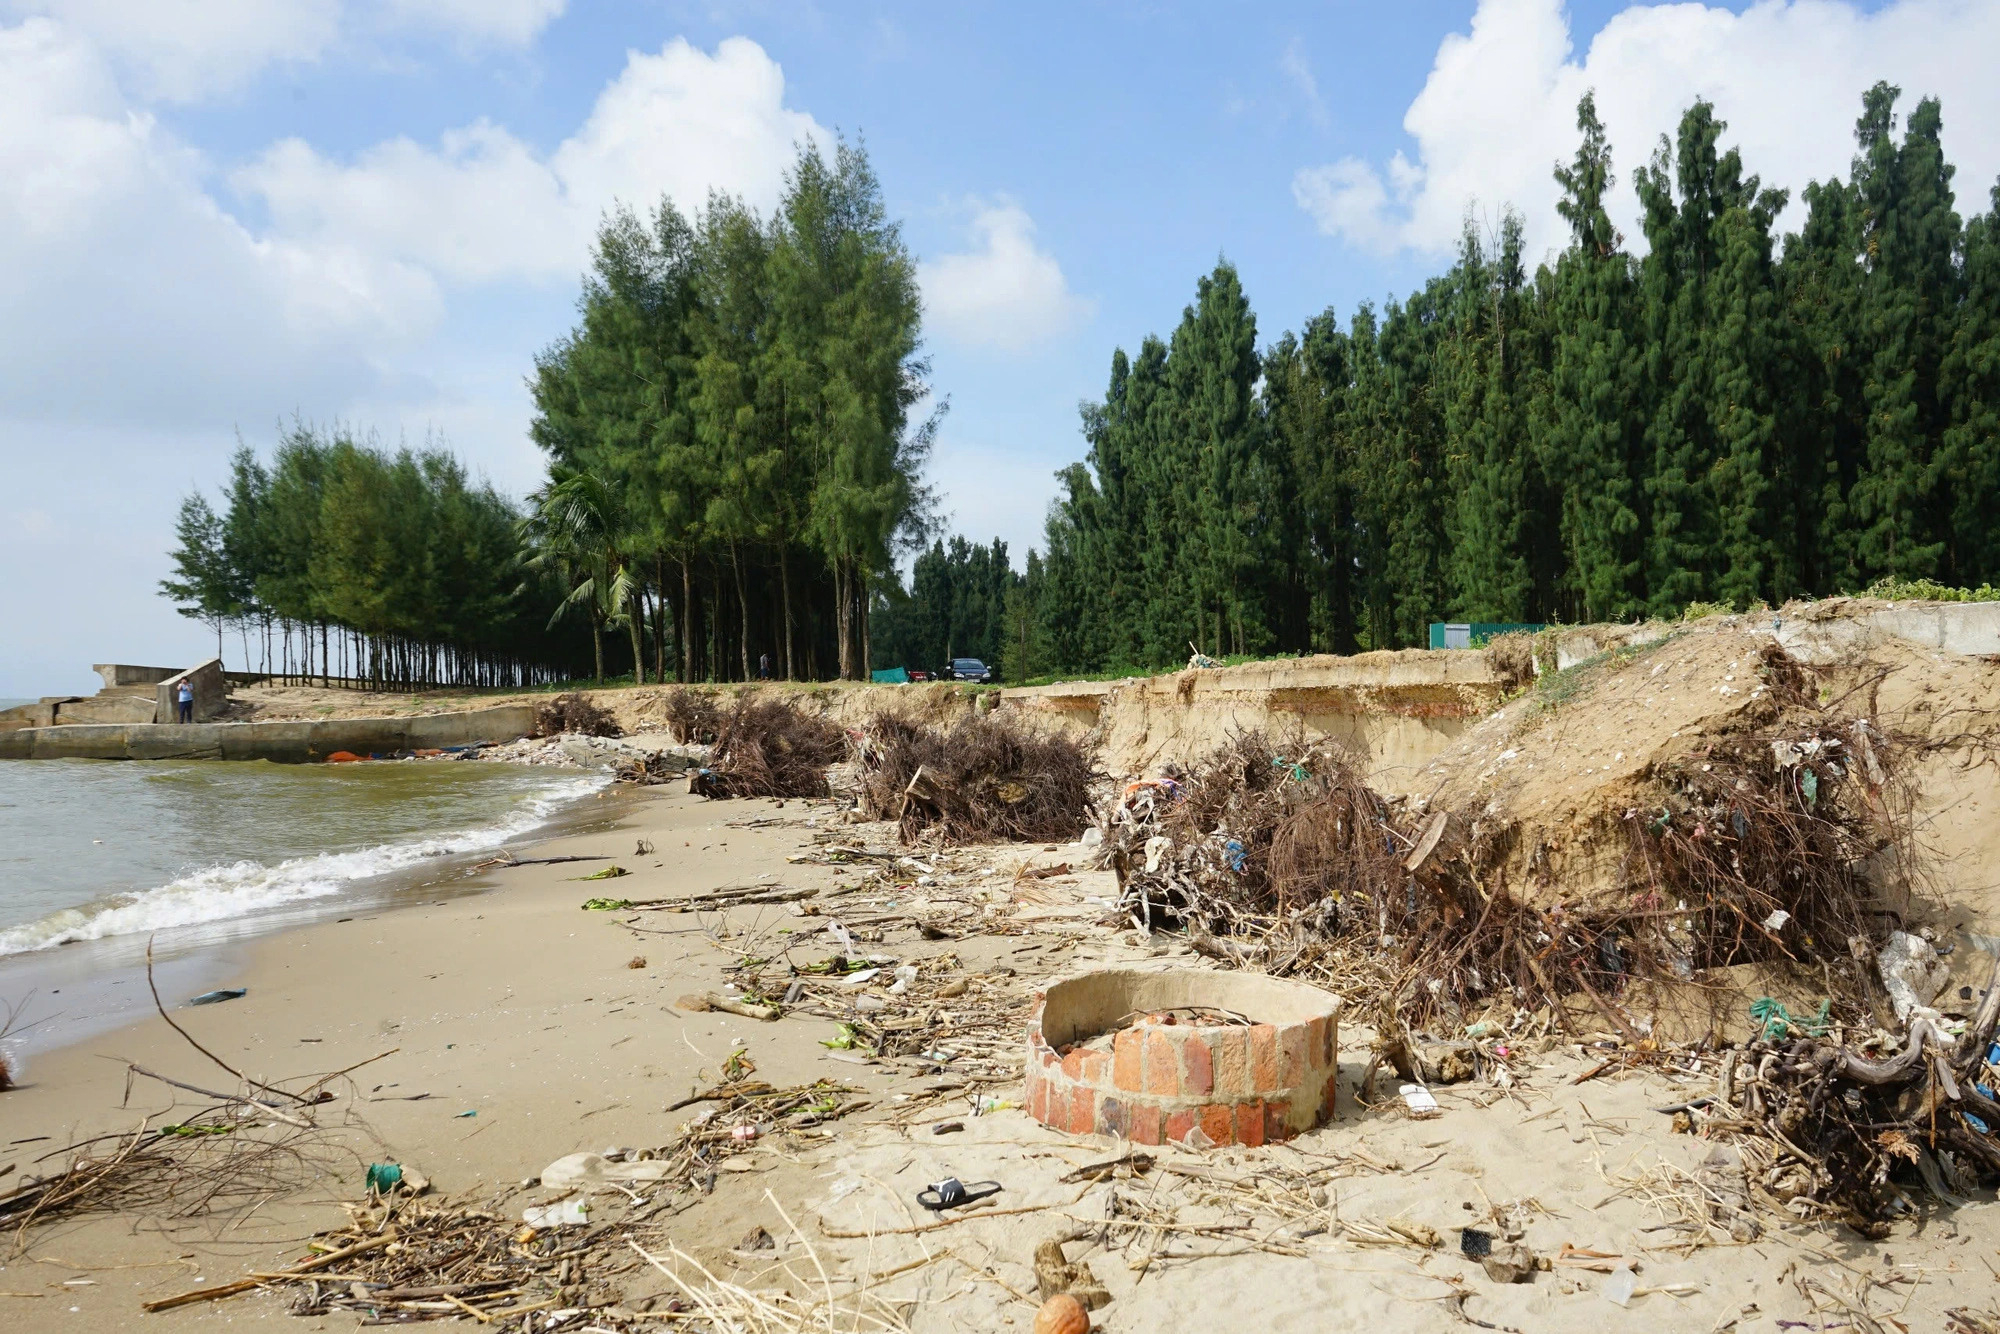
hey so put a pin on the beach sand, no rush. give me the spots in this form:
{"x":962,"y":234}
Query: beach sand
{"x":518,"y":1007}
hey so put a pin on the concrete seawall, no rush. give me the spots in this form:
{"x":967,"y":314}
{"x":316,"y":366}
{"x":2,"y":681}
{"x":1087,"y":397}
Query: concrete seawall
{"x":284,"y":743}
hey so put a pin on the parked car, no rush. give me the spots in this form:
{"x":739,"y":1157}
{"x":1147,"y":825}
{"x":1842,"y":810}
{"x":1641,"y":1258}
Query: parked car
{"x":969,"y":669}
{"x":919,"y":674}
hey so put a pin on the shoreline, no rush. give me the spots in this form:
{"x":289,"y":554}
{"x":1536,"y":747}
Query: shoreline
{"x":91,"y":972}
{"x":494,"y":1000}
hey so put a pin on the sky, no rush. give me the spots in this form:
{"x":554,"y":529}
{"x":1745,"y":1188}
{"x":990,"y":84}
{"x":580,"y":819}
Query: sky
{"x":217,"y":215}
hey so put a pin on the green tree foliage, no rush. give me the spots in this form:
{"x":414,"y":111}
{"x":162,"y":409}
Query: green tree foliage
{"x":350,"y":561}
{"x":957,"y":607}
{"x":1728,"y":417}
{"x":744,"y":386}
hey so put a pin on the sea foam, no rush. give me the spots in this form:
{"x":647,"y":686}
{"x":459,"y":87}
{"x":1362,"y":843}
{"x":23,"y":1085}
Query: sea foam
{"x":225,"y":892}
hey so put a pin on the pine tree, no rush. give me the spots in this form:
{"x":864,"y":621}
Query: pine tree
{"x":1970,"y":377}
{"x":1909,"y":239}
{"x":1590,"y":420}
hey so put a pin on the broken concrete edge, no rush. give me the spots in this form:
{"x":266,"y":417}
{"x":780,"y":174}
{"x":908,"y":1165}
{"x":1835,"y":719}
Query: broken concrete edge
{"x":1237,"y":1084}
{"x":210,"y":687}
{"x":283,"y":743}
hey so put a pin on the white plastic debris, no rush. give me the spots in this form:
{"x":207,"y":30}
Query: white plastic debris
{"x":1777,"y":919}
{"x":1911,"y":972}
{"x":594,"y":1169}
{"x":1618,"y":1289}
{"x":1419,"y":1100}
{"x":573,"y":1212}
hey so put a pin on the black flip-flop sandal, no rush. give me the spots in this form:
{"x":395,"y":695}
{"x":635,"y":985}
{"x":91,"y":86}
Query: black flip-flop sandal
{"x":951,"y":1193}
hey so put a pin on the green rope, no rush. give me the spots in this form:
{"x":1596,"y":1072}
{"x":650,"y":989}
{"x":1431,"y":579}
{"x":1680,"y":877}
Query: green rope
{"x":1779,"y":1023}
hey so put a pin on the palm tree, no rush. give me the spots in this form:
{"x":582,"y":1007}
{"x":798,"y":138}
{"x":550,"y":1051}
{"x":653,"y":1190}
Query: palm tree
{"x":576,"y":527}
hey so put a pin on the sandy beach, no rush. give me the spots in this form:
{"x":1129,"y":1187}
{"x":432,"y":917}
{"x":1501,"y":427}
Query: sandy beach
{"x":520,"y":1031}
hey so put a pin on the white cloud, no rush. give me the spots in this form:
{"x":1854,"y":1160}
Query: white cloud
{"x":194,"y":50}
{"x":1004,"y":293}
{"x":483,"y":205}
{"x":1499,"y":108}
{"x":130,"y":293}
{"x":1294,"y":66}
{"x":507,"y":22}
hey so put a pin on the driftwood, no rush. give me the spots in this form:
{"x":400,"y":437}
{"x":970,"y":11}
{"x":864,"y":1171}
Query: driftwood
{"x":1849,"y":1123}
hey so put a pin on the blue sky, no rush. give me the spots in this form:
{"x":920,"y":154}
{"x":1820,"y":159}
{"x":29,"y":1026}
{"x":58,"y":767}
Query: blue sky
{"x":219,"y":212}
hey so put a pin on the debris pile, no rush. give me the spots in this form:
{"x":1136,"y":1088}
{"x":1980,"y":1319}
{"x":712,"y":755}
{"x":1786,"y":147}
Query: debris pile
{"x":649,"y":770}
{"x":770,"y":748}
{"x":692,"y":716}
{"x":574,"y":713}
{"x":219,"y":1158}
{"x":1850,"y":1124}
{"x":1745,"y":847}
{"x":987,"y":778}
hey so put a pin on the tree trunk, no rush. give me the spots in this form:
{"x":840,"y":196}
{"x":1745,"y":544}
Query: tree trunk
{"x":742,"y":606}
{"x":843,"y":614}
{"x":597,"y":646}
{"x":638,"y":612}
{"x":785,"y":581}
{"x":684,"y":650}
{"x":661,"y":603}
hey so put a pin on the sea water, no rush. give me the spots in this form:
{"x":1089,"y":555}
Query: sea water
{"x":98,"y":858}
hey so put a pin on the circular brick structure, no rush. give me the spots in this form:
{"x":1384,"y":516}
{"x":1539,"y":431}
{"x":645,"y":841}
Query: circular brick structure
{"x":1166,"y":1076}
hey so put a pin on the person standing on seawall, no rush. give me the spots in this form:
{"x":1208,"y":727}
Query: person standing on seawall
{"x":184,"y":698}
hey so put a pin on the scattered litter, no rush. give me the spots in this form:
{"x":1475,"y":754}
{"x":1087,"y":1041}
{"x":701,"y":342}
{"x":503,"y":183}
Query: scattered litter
{"x":573,"y":1212}
{"x":1419,"y":1101}
{"x":951,"y":1193}
{"x":224,"y":994}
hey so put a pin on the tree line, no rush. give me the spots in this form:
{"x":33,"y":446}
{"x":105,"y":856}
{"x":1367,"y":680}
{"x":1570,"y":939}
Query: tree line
{"x":737,"y":398}
{"x":1724,"y":419}
{"x":733,"y":470}
{"x":340,"y":560}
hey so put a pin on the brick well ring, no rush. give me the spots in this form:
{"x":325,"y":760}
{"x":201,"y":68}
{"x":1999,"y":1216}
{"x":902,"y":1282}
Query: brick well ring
{"x":1166,"y":1074}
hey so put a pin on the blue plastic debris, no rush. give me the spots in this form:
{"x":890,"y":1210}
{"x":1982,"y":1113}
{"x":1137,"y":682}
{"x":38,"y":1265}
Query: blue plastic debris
{"x":226,"y":993}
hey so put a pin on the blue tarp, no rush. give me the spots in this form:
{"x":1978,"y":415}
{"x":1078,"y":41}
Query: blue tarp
{"x":890,"y":676}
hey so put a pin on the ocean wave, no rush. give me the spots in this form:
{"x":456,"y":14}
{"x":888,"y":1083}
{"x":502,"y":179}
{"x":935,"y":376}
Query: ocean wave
{"x":222,"y":893}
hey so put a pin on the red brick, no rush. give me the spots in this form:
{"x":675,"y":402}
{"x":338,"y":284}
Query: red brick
{"x":1179,"y":1123}
{"x":1200,"y":1079}
{"x":1329,"y":1033}
{"x":1097,"y":1068}
{"x":1125,"y":1071}
{"x":1218,"y":1122}
{"x":1292,"y":1057}
{"x":1277,"y":1124}
{"x":1163,"y":1065}
{"x":1231,"y":1051}
{"x":1250,"y":1123}
{"x":1082,"y":1112}
{"x":1050,"y":1061}
{"x":1263,"y":1058}
{"x":1144,"y":1123}
{"x":1329,"y":1096}
{"x":1316,"y":1042}
{"x":1072,"y":1064}
{"x":1038,"y":1097}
